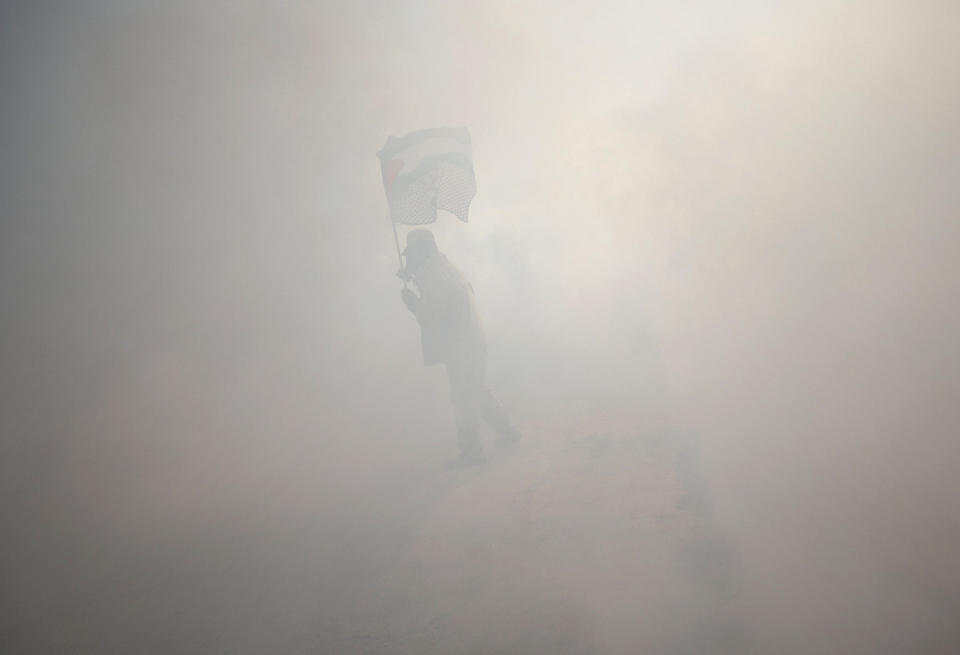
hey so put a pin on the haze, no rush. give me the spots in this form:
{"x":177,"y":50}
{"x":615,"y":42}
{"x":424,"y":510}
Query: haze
{"x":715,"y":249}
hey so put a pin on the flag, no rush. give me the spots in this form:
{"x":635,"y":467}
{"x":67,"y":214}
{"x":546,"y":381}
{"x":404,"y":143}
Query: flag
{"x":426,"y":171}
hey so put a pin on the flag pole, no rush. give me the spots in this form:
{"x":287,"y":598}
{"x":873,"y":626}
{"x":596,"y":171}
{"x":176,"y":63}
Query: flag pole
{"x":396,"y":242}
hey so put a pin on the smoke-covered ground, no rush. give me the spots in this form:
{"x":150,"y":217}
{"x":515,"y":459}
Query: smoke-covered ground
{"x":714,"y":246}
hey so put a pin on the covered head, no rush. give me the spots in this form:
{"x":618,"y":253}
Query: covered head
{"x":420,"y":246}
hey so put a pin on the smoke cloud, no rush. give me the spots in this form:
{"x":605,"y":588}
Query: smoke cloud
{"x":714,"y":247}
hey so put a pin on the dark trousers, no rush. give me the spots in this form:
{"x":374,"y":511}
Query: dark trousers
{"x":473,"y":401}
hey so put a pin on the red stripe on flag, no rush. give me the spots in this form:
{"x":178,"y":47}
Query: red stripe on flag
{"x":390,"y":169}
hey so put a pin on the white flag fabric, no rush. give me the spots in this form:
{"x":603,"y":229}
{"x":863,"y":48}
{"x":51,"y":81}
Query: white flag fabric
{"x":428,"y":170}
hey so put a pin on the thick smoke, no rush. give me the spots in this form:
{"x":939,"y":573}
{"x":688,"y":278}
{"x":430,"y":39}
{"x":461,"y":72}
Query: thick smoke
{"x":724,"y":231}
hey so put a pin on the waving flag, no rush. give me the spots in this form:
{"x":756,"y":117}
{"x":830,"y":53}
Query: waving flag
{"x":426,"y":171}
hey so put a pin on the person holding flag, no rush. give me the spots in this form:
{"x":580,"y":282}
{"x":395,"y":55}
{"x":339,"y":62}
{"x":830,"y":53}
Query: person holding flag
{"x":423,"y":172}
{"x":451,"y":333}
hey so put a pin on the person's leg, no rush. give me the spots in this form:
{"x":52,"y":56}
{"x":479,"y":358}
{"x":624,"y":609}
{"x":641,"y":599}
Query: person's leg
{"x":489,"y":407}
{"x":496,"y":417}
{"x":464,"y":397}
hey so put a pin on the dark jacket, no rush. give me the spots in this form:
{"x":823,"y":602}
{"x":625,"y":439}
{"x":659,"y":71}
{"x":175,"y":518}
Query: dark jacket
{"x":450,"y":327}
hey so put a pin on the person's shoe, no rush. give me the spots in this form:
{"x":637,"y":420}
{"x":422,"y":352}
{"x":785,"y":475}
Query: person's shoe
{"x":466,"y":461}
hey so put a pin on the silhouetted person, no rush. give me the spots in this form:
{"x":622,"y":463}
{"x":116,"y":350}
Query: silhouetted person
{"x":452,"y":334}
